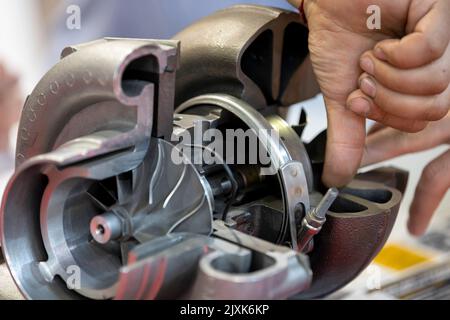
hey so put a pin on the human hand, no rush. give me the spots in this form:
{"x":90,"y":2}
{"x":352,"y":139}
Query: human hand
{"x":386,"y":143}
{"x":10,"y":104}
{"x":411,"y":75}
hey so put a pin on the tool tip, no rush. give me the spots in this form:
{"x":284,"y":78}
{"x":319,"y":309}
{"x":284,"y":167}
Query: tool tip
{"x":333,"y":192}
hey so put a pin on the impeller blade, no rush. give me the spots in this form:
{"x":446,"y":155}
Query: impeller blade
{"x":99,"y":204}
{"x":124,"y":184}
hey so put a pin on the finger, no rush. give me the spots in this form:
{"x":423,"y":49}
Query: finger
{"x":430,"y":79}
{"x":430,"y":191}
{"x":425,"y":108}
{"x":345,"y":144}
{"x":390,"y":143}
{"x":363,"y":105}
{"x":426,"y":43}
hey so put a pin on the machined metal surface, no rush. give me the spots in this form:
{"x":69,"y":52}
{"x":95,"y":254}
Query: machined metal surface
{"x":68,"y":96}
{"x":291,"y":174}
{"x":314,"y":220}
{"x":223,"y":269}
{"x":254,"y":53}
{"x":358,"y":224}
{"x":99,"y":208}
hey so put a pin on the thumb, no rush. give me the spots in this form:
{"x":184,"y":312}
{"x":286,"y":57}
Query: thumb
{"x":345,"y":144}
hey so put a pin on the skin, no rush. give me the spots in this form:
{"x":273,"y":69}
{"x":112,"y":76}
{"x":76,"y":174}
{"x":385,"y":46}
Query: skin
{"x":384,"y":143}
{"x":398,"y":76}
{"x":10,"y":105}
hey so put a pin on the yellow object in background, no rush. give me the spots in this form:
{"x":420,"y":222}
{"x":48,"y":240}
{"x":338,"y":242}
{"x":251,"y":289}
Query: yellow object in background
{"x":399,"y":257}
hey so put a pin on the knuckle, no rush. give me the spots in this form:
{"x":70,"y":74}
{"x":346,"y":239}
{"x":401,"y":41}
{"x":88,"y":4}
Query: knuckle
{"x":416,"y":126}
{"x":440,"y":80}
{"x":433,"y":47}
{"x":438,"y":108}
{"x":439,"y":86}
{"x":442,"y":107}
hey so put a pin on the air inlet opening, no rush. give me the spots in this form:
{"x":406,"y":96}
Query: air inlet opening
{"x":228,"y":263}
{"x":374,"y":195}
{"x":342,"y":205}
{"x":294,"y":52}
{"x":234,"y":264}
{"x":257,"y":63}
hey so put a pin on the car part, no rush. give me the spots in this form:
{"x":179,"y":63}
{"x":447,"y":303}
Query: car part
{"x":99,"y":208}
{"x":314,"y":220}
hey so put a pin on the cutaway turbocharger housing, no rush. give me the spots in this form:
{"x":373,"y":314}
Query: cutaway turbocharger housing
{"x":113,"y":198}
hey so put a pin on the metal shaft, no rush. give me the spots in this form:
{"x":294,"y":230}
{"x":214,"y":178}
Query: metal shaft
{"x":313,"y":221}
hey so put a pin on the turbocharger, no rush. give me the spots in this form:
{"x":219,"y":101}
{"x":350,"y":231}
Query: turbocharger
{"x":162,"y":169}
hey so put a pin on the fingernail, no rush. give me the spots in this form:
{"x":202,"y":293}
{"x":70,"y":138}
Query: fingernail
{"x":359,"y":106}
{"x":379,"y":53}
{"x":367,"y":65}
{"x":368,"y":87}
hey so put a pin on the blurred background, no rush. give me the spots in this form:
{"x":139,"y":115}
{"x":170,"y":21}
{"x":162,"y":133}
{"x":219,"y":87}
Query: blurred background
{"x":33,"y":33}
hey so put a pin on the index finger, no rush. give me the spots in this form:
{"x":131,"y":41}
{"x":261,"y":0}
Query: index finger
{"x":345,"y":144}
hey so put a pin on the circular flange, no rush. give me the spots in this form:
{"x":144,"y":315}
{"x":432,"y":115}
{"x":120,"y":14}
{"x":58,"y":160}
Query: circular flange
{"x":291,"y":173}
